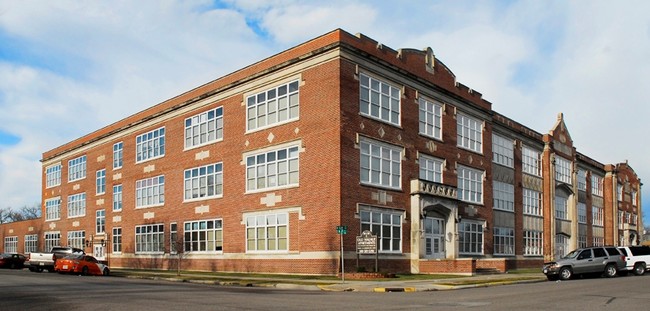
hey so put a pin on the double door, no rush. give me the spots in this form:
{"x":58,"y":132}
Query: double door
{"x":434,"y":237}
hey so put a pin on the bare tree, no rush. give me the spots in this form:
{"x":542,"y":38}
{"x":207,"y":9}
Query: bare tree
{"x":178,"y":248}
{"x":5,"y":213}
{"x":31,"y":212}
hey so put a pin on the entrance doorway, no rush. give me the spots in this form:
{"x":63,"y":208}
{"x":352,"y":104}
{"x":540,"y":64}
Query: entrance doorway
{"x":99,"y":251}
{"x":434,"y":237}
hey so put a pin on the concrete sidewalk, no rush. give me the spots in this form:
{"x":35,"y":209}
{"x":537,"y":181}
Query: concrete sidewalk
{"x":397,"y":285}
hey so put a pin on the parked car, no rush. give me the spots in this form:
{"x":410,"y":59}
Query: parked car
{"x":37,"y":262}
{"x":606,"y":260}
{"x":81,"y":264}
{"x":637,"y":258}
{"x":12,"y":261}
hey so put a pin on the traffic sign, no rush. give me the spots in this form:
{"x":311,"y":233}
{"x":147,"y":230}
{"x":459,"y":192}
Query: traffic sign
{"x":342,"y":229}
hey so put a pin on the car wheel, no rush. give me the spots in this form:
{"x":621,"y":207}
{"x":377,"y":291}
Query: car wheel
{"x":639,"y":268}
{"x":610,"y":271}
{"x":84,"y":271}
{"x":105,"y":272}
{"x":566,"y":273}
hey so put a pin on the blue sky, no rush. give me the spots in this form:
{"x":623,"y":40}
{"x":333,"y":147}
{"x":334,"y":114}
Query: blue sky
{"x":69,"y":67}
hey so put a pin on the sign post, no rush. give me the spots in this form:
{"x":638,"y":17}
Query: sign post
{"x":341,"y":231}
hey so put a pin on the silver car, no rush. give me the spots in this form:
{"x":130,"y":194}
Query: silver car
{"x":606,"y":260}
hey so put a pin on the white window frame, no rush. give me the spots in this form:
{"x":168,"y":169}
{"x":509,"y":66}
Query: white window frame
{"x":203,"y":182}
{"x":379,"y":99}
{"x":582,"y":241}
{"x":385,"y":224}
{"x":53,"y":209}
{"x":431,"y":168}
{"x":77,"y":205}
{"x":100,"y":181}
{"x":269,"y":108}
{"x":531,"y":161}
{"x":504,"y":241}
{"x":470,"y":237}
{"x":598,"y":241}
{"x":634,"y":198}
{"x":597,"y":216}
{"x":150,"y":145}
{"x":561,"y":245}
{"x":561,"y":208}
{"x":150,"y":192}
{"x":116,"y":240}
{"x":582,"y":213}
{"x":267,"y":233}
{"x":118,"y":155}
{"x":173,"y":238}
{"x":275,"y":168}
{"x":469,"y":133}
{"x":533,"y":243}
{"x":562,"y":170}
{"x":150,"y":239}
{"x":100,"y":221}
{"x":31,"y":243}
{"x":77,"y":239}
{"x":503,"y":196}
{"x":117,"y":198}
{"x":532,"y":202}
{"x":204,"y":128}
{"x":582,"y":180}
{"x":53,"y":175}
{"x":203,"y":236}
{"x":503,"y":151}
{"x":470,"y":184}
{"x":596,"y":185}
{"x":380,"y":164}
{"x":52,"y":239}
{"x":11,"y":244}
{"x":430,"y":118}
{"x":77,"y":168}
{"x":619,"y":192}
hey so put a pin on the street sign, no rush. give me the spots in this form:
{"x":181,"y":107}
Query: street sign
{"x":366,"y":243}
{"x":342,"y":229}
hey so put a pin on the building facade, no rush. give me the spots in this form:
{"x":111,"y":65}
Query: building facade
{"x":254,"y":172}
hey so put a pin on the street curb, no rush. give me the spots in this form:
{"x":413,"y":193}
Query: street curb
{"x":394,"y":289}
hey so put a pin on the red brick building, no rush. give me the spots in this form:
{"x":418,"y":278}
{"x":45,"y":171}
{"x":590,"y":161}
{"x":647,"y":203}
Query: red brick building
{"x":254,"y":171}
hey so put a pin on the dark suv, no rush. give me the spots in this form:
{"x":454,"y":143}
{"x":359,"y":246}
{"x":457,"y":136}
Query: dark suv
{"x":607,"y":260}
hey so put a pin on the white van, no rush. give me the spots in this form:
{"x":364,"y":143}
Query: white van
{"x":637,"y":258}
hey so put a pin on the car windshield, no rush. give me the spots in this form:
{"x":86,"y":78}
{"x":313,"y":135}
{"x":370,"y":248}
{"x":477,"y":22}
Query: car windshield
{"x":74,"y":256}
{"x":572,"y":254}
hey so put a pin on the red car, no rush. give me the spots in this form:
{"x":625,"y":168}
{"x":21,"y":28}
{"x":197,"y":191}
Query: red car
{"x":12,"y":261}
{"x":81,"y":264}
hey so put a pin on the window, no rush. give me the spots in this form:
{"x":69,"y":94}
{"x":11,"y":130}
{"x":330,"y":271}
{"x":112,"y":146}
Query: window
{"x":204,"y":128}
{"x":77,"y":205}
{"x":634,"y":219}
{"x":504,"y":196}
{"x":77,"y":239}
{"x":204,"y":182}
{"x":430,"y":168}
{"x":379,"y":99}
{"x":149,"y":239}
{"x":582,"y":180}
{"x":582,"y":241}
{"x":561,"y":245}
{"x":117,"y":198}
{"x":596,"y":185}
{"x":31,"y":243}
{"x":205,"y":236}
{"x":77,"y":168}
{"x":430,"y":118}
{"x":634,"y":198}
{"x":562,"y":170}
{"x":52,"y":239}
{"x":275,"y":106}
{"x":53,"y":209}
{"x":117,"y":240}
{"x":502,"y":150}
{"x":101,"y":181}
{"x":531,"y":161}
{"x":150,"y":145}
{"x":150,"y":192}
{"x":599,"y":241}
{"x":470,"y":185}
{"x":532,"y":202}
{"x":533,"y":243}
{"x":561,"y":207}
{"x":11,"y":244}
{"x":619,"y":192}
{"x":174,"y":243}
{"x":386,"y":225}
{"x":380,"y":164}
{"x":470,"y":238}
{"x":582,"y":213}
{"x":597,"y":216}
{"x":100,"y":221}
{"x":504,"y":241}
{"x":53,"y":175}
{"x":118,"y":160}
{"x":621,"y":220}
{"x":469,"y":133}
{"x":267,"y":233}
{"x":272,"y":169}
